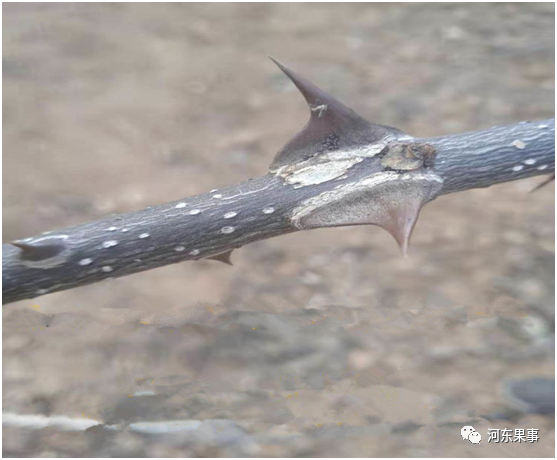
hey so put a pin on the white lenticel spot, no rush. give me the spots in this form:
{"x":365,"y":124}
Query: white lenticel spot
{"x":106,"y":268}
{"x":230,"y":215}
{"x":124,"y":230}
{"x":518,"y":168}
{"x":112,"y":229}
{"x":180,"y":205}
{"x":179,"y":248}
{"x":195,"y":212}
{"x":144,"y":235}
{"x":217,"y":196}
{"x":542,"y":167}
{"x":543,"y":126}
{"x":213,"y":191}
{"x":109,"y":244}
{"x":519,"y":144}
{"x":529,"y":161}
{"x":42,"y":291}
{"x":227,"y":230}
{"x":269,"y":210}
{"x":85,"y":261}
{"x":194,"y":252}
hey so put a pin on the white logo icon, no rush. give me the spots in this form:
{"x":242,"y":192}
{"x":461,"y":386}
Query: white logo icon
{"x":468,"y":432}
{"x":475,"y":437}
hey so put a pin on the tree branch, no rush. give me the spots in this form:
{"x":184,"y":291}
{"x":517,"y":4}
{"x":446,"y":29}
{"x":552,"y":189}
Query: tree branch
{"x":217,"y":222}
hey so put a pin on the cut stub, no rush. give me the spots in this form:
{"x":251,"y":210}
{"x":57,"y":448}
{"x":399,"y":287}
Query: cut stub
{"x":388,"y":199}
{"x":332,"y":126}
{"x":408,"y":156}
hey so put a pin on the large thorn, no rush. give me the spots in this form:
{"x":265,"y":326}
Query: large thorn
{"x":313,"y":95}
{"x":400,"y":219}
{"x":332,"y":126}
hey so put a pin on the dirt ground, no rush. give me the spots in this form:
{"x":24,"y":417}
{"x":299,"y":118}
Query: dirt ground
{"x":321,"y":343}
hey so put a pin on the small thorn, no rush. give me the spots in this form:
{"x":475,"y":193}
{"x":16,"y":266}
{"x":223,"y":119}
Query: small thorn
{"x":223,"y":257}
{"x":37,"y":251}
{"x":544,"y":183}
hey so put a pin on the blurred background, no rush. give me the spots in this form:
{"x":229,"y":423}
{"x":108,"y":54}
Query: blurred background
{"x":321,"y":343}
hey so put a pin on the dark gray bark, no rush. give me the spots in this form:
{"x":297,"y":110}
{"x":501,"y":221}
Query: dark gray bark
{"x":213,"y":223}
{"x":500,"y":154}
